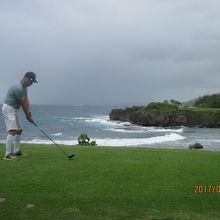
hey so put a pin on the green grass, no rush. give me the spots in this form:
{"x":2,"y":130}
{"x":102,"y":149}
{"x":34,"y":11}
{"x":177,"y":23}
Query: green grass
{"x":197,"y":109}
{"x":109,"y":183}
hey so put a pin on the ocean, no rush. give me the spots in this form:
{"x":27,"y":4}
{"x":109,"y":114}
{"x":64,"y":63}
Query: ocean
{"x":64,"y":124}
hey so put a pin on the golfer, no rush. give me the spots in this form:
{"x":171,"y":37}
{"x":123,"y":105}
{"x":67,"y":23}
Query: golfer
{"x":16,"y":97}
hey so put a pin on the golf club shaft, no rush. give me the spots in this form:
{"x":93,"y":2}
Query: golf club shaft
{"x":51,"y":139}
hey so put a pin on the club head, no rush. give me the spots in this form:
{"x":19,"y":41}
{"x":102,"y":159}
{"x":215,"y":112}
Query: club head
{"x":71,"y":156}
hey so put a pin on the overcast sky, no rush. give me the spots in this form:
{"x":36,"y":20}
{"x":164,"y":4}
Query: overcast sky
{"x":111,"y":51}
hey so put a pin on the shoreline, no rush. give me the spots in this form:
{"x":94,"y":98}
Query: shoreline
{"x":116,"y":147}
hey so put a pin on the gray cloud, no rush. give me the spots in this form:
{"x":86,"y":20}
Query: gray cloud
{"x":99,"y":52}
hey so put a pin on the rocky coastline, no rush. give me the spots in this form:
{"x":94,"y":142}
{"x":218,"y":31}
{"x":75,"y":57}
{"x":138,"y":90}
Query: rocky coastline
{"x":167,"y":115}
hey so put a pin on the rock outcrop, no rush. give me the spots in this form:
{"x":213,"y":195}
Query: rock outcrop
{"x":196,"y":146}
{"x":166,"y":115}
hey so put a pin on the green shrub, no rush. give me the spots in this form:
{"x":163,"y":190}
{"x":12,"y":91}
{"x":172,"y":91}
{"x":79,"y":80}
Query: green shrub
{"x":165,"y":106}
{"x":208,"y":101}
{"x":93,"y":143}
{"x":84,"y":140}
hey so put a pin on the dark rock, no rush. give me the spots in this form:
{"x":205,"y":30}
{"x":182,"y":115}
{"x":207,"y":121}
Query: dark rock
{"x":196,"y":146}
{"x":148,"y":117}
{"x":167,"y":116}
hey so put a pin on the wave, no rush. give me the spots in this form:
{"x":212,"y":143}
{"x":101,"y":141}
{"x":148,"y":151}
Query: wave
{"x":57,"y":134}
{"x":42,"y":141}
{"x":102,"y":119}
{"x":119,"y":126}
{"x":160,"y":129}
{"x":116,"y":141}
{"x":140,"y":129}
{"x":126,"y":127}
{"x":123,"y":130}
{"x":139,"y":141}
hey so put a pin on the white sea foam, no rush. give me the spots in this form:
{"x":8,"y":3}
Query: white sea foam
{"x":57,"y":134}
{"x":160,"y":129}
{"x":42,"y":141}
{"x":102,"y":119}
{"x":122,"y":130}
{"x":118,"y":141}
{"x":126,"y":127}
{"x":139,"y":141}
{"x":140,"y":129}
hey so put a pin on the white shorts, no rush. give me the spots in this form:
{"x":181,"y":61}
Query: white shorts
{"x":12,"y":120}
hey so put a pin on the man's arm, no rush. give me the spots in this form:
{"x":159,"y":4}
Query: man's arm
{"x":26,"y":109}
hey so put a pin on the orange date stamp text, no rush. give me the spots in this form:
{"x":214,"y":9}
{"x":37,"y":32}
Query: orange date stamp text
{"x":206,"y":189}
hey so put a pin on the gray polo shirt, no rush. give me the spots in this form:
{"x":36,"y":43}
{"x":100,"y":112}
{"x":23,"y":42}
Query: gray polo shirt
{"x":16,"y":95}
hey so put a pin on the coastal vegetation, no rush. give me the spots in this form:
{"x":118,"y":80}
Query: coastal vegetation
{"x":110,"y":183}
{"x":208,"y":101}
{"x":205,"y":112}
{"x":84,"y":140}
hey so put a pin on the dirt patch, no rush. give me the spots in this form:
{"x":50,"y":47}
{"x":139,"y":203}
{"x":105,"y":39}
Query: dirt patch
{"x":2,"y":200}
{"x":30,"y":206}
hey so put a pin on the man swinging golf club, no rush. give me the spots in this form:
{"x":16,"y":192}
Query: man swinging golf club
{"x":16,"y":97}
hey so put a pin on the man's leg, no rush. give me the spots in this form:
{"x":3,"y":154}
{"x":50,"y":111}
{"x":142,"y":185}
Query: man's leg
{"x":10,"y":116}
{"x":17,"y":143}
{"x":9,"y":141}
{"x":17,"y":150}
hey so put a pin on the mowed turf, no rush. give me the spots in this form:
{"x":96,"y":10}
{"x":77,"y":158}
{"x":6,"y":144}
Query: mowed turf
{"x":109,"y":183}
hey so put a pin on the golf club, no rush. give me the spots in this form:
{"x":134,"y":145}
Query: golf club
{"x":69,"y":156}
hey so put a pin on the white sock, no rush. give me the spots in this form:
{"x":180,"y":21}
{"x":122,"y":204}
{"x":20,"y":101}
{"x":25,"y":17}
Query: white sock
{"x":17,"y":143}
{"x":9,"y":141}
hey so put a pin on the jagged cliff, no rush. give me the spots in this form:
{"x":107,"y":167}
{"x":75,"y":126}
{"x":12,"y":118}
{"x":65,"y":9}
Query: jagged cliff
{"x":167,"y":115}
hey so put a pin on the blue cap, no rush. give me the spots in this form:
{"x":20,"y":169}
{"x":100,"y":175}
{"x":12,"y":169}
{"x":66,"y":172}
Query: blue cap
{"x":32,"y":76}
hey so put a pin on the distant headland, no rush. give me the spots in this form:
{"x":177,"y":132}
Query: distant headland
{"x":202,"y":112}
